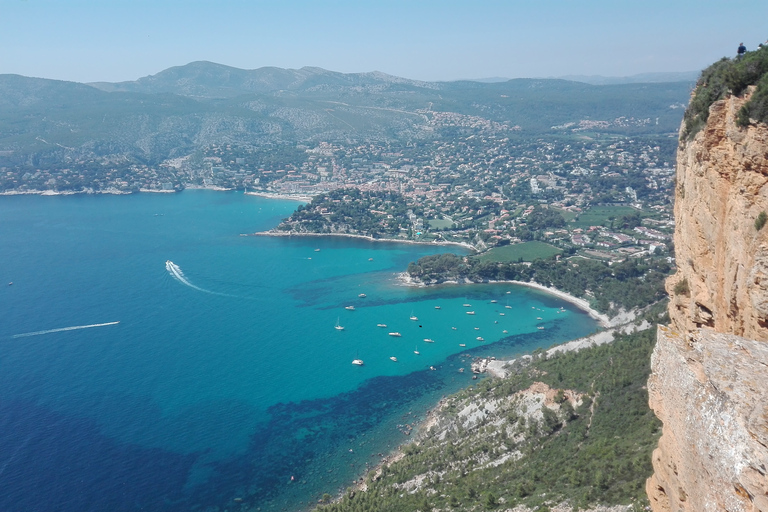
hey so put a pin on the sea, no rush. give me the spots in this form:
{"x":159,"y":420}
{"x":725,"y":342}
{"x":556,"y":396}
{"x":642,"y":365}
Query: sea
{"x":154,"y":357}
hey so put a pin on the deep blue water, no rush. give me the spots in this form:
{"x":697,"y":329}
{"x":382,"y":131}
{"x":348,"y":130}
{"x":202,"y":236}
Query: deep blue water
{"x":221,"y":383}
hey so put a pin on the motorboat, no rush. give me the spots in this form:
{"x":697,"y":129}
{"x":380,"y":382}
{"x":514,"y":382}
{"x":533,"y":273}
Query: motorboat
{"x":395,"y":334}
{"x":393,"y":358}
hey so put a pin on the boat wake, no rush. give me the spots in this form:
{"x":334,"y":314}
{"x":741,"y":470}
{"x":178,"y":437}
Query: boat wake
{"x":177,"y":274}
{"x":62,"y":329}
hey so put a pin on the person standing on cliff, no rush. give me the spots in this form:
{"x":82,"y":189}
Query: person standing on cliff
{"x":741,"y":51}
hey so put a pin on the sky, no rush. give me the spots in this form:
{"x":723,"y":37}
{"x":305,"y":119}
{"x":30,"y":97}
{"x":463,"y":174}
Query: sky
{"x":118,"y":40}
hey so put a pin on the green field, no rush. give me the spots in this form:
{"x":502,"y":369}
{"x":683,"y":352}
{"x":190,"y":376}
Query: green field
{"x":600,"y":216}
{"x":440,"y":224}
{"x":527,"y":251}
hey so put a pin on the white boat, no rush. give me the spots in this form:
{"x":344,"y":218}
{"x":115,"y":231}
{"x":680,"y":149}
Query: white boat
{"x":470,"y":312}
{"x":395,"y":334}
{"x":358,"y":362}
{"x":505,"y":331}
{"x":502,"y":314}
{"x":393,"y":358}
{"x":494,"y":301}
{"x":338,"y":327}
{"x":508,"y":307}
{"x":462,"y":344}
{"x":540,"y":328}
{"x":539,"y":318}
{"x":437,"y":307}
{"x":477,"y":328}
{"x":381,"y":325}
{"x":413,"y":317}
{"x":350,"y":308}
{"x":416,"y":351}
{"x":479,"y":338}
{"x":362,"y":295}
{"x":453,"y":328}
{"x":467,"y":305}
{"x":428,"y":340}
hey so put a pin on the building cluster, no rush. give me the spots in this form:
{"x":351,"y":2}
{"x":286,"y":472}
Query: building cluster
{"x":477,"y":183}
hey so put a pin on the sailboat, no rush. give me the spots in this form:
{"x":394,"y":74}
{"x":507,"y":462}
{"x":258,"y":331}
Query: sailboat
{"x":416,"y":351}
{"x":413,"y":317}
{"x":338,"y":326}
{"x":357,"y":362}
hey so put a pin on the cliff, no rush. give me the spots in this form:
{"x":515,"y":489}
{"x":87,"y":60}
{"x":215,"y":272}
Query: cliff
{"x":709,"y":381}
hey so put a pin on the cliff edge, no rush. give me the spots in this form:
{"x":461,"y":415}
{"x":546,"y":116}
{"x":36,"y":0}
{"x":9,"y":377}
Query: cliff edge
{"x":709,"y":381}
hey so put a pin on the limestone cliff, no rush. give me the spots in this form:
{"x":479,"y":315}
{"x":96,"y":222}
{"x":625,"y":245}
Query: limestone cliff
{"x":709,"y":384}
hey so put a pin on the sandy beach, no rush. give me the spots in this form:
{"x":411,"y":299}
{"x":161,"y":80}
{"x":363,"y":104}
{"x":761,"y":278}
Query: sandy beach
{"x":601,"y":318}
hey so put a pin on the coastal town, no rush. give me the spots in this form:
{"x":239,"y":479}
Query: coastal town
{"x":476,"y":182}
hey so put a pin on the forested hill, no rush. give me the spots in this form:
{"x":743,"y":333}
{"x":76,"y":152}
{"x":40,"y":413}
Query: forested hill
{"x":172,"y":113}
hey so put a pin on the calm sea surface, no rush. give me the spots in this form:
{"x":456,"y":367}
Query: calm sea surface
{"x":225,"y":384}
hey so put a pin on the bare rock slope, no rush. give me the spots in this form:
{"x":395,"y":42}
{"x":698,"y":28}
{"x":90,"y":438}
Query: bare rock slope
{"x":709,"y":381}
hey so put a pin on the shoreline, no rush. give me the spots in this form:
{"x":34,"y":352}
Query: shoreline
{"x":602,"y":319}
{"x":362,"y":237}
{"x":274,"y":195}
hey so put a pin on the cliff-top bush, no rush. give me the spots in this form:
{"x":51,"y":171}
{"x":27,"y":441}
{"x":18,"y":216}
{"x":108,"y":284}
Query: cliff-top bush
{"x":730,"y":76}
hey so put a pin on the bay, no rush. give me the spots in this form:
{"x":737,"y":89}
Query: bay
{"x":225,"y":383}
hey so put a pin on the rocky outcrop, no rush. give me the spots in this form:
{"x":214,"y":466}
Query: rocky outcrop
{"x":722,"y":260}
{"x":709,"y":391}
{"x":709,"y":382}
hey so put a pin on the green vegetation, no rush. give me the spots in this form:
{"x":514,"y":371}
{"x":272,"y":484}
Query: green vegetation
{"x":604,"y":216}
{"x":596,"y":451}
{"x":629,"y":284}
{"x":441,"y":224}
{"x":730,"y":76}
{"x":351,"y":211}
{"x":762,"y":217}
{"x":682,"y":288}
{"x":526,"y":251}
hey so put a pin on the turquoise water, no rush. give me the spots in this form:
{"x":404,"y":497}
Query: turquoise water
{"x":225,"y":376}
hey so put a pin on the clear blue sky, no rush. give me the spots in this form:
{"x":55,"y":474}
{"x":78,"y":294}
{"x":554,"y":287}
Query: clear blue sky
{"x":114,"y":40}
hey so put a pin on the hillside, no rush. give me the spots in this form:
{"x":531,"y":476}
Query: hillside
{"x":48,"y":123}
{"x":565,"y":431}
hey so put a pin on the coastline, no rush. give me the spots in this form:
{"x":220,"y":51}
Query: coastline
{"x":362,"y":237}
{"x":273,"y":195}
{"x":603,"y":320}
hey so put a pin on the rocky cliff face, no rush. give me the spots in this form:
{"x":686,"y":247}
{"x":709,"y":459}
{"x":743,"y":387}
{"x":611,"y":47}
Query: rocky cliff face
{"x":709,"y":384}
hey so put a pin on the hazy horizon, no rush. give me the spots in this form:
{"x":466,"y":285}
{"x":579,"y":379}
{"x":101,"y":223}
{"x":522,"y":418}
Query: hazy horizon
{"x":86,"y":41}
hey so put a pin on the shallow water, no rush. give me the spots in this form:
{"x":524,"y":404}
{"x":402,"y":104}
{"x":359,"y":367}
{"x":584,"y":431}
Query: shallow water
{"x":225,"y":376}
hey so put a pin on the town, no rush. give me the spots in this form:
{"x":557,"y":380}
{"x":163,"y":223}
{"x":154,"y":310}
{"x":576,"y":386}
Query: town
{"x":475,"y":182}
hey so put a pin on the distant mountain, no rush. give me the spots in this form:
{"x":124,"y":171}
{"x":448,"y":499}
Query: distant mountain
{"x":204,"y":79}
{"x":46,"y":122}
{"x":685,"y":76}
{"x":489,"y":80}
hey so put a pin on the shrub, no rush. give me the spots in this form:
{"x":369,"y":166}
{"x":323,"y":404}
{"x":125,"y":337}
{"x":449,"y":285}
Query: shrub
{"x":725,"y":77}
{"x":762,"y":217}
{"x":682,"y":288}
